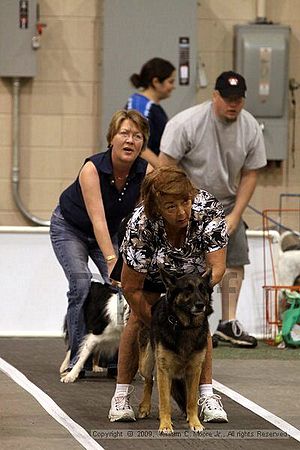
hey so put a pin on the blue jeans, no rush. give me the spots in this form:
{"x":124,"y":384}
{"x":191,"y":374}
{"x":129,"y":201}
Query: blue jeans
{"x":73,"y":248}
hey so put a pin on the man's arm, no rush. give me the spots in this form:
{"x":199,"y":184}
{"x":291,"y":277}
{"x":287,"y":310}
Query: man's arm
{"x":245,"y":190}
{"x":166,"y":160}
{"x":150,"y":157}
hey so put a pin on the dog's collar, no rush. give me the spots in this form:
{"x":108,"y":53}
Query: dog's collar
{"x":177,"y":324}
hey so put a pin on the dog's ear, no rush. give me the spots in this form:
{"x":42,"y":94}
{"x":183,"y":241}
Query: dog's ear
{"x":207,"y":276}
{"x":168,"y":279}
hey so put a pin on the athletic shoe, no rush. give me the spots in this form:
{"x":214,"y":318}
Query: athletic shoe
{"x":212,"y":409}
{"x":232,"y":331}
{"x":120,"y":409}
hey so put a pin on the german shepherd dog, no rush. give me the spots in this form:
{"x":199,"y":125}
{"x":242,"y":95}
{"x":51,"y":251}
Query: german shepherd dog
{"x":106,"y":313}
{"x":177,"y":342}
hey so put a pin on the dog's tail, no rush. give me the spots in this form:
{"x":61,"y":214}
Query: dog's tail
{"x":178,"y":392}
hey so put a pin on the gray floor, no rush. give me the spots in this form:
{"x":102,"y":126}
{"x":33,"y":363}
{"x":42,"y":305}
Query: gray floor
{"x":272,"y":384}
{"x":24,"y":424}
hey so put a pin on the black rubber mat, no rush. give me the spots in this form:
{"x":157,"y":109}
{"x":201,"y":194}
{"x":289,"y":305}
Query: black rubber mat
{"x":88,"y":400}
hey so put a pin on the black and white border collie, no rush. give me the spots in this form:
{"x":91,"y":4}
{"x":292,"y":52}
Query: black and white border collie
{"x":106,"y":313}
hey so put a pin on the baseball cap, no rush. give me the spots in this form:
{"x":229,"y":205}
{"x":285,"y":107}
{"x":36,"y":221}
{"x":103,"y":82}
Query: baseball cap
{"x":231,"y":83}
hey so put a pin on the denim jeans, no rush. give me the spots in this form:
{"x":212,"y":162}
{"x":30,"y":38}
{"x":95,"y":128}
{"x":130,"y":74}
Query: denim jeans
{"x":73,"y":248}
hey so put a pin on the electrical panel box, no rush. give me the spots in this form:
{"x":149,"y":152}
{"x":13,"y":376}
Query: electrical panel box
{"x":18,"y":20}
{"x":261,"y":56}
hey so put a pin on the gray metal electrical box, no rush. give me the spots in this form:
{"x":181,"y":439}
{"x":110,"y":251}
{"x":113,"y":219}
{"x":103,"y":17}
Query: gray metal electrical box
{"x":261,"y":56}
{"x":18,"y":19}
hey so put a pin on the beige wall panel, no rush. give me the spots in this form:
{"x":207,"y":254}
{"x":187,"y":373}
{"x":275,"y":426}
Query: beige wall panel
{"x":5,"y":95}
{"x":52,"y":164}
{"x":78,"y":34}
{"x":5,"y":130}
{"x":261,"y":201}
{"x":233,"y":9}
{"x":42,"y":98}
{"x":79,"y":98}
{"x":212,"y":36}
{"x":5,"y":165}
{"x":53,"y":35}
{"x":37,"y":195}
{"x":86,"y":8}
{"x":60,"y":108}
{"x":41,"y":130}
{"x":6,"y":200}
{"x":52,"y":7}
{"x":79,"y":132}
{"x":50,"y":65}
{"x":79,"y":65}
{"x":287,"y":11}
{"x":252,"y":220}
{"x":14,"y":218}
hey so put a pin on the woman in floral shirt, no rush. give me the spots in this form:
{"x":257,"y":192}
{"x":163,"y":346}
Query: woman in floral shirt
{"x":184,"y":231}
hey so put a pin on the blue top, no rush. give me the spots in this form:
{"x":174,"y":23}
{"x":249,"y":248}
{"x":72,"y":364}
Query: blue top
{"x":117,"y":204}
{"x":155,"y":114}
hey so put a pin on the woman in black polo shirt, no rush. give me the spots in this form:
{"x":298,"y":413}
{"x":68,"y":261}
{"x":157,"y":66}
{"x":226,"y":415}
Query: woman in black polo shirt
{"x":86,"y":221}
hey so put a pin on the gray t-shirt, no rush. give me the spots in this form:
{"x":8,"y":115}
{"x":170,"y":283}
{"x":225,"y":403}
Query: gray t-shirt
{"x":213,"y":153}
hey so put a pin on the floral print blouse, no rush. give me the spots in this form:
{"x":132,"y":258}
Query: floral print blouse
{"x":145,"y":247}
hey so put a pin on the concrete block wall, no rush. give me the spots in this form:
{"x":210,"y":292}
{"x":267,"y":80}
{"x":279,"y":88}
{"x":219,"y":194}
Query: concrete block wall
{"x":60,"y":107}
{"x":59,"y":113}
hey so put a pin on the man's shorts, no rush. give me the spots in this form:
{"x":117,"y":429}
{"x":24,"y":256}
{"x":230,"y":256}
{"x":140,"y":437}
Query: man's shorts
{"x":237,"y":249}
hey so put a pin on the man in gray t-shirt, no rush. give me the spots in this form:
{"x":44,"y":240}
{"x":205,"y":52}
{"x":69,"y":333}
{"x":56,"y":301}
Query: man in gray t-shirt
{"x":221,"y":147}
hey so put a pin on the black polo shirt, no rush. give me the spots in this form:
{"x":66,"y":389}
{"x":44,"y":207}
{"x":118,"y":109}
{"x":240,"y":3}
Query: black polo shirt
{"x":117,"y":204}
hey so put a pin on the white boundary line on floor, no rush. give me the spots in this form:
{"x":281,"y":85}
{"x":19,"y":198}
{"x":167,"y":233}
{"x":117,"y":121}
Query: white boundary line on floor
{"x":265,"y":414}
{"x":79,"y":433}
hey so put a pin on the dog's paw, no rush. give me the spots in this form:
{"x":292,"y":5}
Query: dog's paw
{"x":197,"y":428}
{"x":98,"y":369}
{"x":196,"y":425}
{"x":144,"y":411}
{"x":68,"y":378}
{"x":165,"y":428}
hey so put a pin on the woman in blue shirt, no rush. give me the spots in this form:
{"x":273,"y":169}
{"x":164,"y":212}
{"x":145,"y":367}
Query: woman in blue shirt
{"x":156,"y":82}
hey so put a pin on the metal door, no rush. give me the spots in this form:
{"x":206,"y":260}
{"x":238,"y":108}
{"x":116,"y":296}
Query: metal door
{"x":135,"y":31}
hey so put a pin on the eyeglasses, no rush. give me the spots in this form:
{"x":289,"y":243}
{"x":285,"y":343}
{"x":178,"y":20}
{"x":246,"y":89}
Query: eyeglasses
{"x":125,"y":134}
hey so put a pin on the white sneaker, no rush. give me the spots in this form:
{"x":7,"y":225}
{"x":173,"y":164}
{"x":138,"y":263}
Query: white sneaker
{"x":212,"y":409}
{"x":120,"y":409}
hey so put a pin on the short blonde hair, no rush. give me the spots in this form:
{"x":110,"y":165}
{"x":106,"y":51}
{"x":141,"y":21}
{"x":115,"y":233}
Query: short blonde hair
{"x":165,"y":180}
{"x":119,"y":116}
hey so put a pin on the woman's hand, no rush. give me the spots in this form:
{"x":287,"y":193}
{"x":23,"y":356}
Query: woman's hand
{"x":110,"y":265}
{"x":138,"y":299}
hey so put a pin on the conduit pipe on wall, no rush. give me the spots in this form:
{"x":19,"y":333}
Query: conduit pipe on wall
{"x":15,"y":157}
{"x":261,"y":15}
